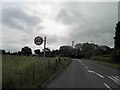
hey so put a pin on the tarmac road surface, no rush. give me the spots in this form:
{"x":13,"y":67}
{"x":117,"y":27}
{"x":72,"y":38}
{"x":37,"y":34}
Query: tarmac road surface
{"x":84,"y":73}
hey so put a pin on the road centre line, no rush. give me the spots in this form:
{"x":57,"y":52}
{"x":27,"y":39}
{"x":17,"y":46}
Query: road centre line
{"x":90,"y":70}
{"x":114,"y":80}
{"x":86,"y":67}
{"x":96,"y":73}
{"x":80,"y":62}
{"x":107,"y":86}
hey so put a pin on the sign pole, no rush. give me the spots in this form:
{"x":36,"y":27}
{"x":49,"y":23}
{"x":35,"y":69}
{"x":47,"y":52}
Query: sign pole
{"x":44,"y":46}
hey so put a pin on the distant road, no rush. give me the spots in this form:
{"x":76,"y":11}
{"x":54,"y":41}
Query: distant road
{"x":83,"y":73}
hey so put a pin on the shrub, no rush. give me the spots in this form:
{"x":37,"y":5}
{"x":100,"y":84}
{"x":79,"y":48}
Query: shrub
{"x":115,"y":55}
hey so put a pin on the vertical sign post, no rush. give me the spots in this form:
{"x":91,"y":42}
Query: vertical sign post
{"x":44,"y":46}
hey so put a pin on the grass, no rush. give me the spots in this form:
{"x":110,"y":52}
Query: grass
{"x":112,"y":65}
{"x":106,"y":61}
{"x":29,"y":72}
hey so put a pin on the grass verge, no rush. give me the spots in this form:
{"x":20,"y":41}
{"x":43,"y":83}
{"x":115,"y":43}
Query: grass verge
{"x":106,"y":61}
{"x":29,"y":72}
{"x":111,"y":65}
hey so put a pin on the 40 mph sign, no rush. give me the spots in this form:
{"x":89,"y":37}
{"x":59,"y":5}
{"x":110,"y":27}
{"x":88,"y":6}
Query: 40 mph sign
{"x":38,"y":40}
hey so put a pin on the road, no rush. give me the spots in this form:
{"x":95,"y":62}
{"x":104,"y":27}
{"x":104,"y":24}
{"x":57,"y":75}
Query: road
{"x":83,"y":73}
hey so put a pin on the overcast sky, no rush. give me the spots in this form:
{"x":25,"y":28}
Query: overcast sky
{"x":60,"y":22}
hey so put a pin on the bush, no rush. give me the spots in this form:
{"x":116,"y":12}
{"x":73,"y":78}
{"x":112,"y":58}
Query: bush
{"x":115,"y":55}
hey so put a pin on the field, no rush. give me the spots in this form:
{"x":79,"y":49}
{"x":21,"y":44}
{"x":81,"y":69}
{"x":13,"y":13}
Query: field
{"x":28,"y":71}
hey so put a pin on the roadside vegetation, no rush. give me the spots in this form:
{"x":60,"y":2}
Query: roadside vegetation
{"x":111,"y":58}
{"x":28,"y":71}
{"x":106,"y":60}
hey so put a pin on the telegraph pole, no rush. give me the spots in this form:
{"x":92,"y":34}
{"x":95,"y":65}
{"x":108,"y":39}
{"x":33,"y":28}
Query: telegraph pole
{"x":44,"y":46}
{"x":73,"y":43}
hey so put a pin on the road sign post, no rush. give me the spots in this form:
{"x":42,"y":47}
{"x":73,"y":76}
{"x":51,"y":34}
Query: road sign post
{"x":39,"y":40}
{"x":44,"y":46}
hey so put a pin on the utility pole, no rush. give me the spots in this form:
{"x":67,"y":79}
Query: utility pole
{"x":73,"y":43}
{"x":44,"y":46}
{"x":93,"y":52}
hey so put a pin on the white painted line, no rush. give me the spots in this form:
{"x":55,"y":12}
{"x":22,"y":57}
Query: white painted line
{"x":81,"y":62}
{"x":96,"y":73}
{"x":114,"y":80}
{"x":118,"y":77}
{"x":86,"y":67}
{"x":107,"y":86}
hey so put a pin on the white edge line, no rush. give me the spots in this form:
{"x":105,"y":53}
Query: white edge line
{"x":96,"y":73}
{"x":113,"y":80}
{"x":107,"y":86}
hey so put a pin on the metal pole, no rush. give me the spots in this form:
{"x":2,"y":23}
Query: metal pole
{"x":44,"y":46}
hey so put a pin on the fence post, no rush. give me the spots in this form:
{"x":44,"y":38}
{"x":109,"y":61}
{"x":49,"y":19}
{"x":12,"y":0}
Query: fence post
{"x":59,"y":59}
{"x":33,"y":75}
{"x":49,"y":64}
{"x":56,"y":62}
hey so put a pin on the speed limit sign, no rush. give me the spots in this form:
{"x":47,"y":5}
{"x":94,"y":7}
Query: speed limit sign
{"x":38,"y":40}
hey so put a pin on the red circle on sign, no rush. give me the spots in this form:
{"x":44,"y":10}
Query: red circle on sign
{"x":38,"y":40}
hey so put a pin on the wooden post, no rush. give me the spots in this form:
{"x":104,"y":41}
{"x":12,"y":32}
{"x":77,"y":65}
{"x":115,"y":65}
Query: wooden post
{"x":49,"y":64}
{"x":33,"y":77}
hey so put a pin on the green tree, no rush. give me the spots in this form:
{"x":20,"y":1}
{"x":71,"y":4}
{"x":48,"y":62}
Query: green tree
{"x":117,"y":36}
{"x":26,"y":51}
{"x":37,"y":51}
{"x":115,"y":55}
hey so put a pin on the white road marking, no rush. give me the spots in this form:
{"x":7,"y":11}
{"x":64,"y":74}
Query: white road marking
{"x":114,"y":80}
{"x":118,"y":78}
{"x":96,"y":73}
{"x":80,"y":62}
{"x":107,"y":86}
{"x":86,"y":67}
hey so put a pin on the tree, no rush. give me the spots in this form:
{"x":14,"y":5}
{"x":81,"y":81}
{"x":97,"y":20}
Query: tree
{"x":115,"y":55}
{"x":3,"y":51}
{"x":117,"y":36}
{"x":37,"y":51}
{"x":26,"y":51}
{"x":102,"y":50}
{"x":66,"y":51}
{"x":19,"y":52}
{"x":78,"y":46}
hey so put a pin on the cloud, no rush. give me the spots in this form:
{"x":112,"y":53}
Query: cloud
{"x":17,"y":18}
{"x":89,"y":21}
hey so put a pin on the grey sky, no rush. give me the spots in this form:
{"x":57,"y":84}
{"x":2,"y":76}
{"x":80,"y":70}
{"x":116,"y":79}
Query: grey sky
{"x":59,"y":22}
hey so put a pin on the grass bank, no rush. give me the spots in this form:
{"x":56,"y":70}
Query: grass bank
{"x":29,"y":72}
{"x":106,"y":61}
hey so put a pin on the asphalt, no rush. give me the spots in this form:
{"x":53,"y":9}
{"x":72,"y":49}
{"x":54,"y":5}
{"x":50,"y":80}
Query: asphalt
{"x":83,"y":73}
